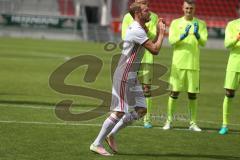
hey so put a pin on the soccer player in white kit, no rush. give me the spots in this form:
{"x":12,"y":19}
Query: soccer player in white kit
{"x":127,"y":93}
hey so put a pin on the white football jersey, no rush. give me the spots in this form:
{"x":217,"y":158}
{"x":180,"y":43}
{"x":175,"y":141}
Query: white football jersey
{"x":132,"y":53}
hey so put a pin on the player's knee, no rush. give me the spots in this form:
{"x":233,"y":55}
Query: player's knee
{"x":119,"y":114}
{"x":230,"y":93}
{"x":147,"y":90}
{"x":144,"y":111}
{"x":141,"y":111}
{"x":174,"y":95}
{"x":192,"y":96}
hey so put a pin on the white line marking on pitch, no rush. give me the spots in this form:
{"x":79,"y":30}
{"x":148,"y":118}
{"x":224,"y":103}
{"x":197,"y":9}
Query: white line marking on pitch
{"x":95,"y":125}
{"x":37,"y":107}
{"x":86,"y":110}
{"x":48,"y":54}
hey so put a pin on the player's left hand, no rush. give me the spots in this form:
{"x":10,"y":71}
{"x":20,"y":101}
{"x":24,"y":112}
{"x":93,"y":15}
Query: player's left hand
{"x":184,"y":35}
{"x":195,"y":31}
{"x":160,"y":19}
{"x":161,"y":26}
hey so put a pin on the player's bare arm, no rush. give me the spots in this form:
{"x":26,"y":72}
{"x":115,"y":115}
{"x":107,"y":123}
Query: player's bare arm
{"x":154,"y":47}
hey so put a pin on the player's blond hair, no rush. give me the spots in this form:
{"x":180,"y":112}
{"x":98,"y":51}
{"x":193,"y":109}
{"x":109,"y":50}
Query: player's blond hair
{"x":141,"y":1}
{"x":134,"y":7}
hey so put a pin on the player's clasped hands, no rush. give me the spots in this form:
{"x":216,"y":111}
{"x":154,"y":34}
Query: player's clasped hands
{"x":161,"y":26}
{"x":195,"y":31}
{"x":184,"y":35}
{"x":196,"y":27}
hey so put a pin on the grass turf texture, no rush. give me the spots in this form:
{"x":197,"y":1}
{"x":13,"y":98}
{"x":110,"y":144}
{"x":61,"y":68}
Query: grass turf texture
{"x":30,"y":129}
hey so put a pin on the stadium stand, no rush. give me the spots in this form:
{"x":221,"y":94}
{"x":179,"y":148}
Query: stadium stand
{"x":37,"y":7}
{"x":66,"y":7}
{"x":216,"y":13}
{"x":5,"y":6}
{"x":52,"y":19}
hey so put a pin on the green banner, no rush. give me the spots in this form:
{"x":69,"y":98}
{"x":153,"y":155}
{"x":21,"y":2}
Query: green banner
{"x":39,"y":20}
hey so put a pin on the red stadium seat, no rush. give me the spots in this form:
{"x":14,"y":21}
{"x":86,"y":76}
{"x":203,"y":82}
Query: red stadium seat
{"x":216,"y":13}
{"x":66,"y":7}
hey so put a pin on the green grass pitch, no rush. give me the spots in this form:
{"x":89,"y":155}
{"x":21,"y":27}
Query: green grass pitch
{"x":31,"y":130}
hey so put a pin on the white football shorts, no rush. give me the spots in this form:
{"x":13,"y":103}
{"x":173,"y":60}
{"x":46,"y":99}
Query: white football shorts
{"x":126,"y":96}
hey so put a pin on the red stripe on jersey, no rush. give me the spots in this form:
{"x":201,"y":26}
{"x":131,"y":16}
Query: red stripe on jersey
{"x":125,"y":76}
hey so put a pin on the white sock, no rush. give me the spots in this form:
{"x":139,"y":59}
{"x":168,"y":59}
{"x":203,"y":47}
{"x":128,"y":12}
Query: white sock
{"x":126,"y":120}
{"x":107,"y":126}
